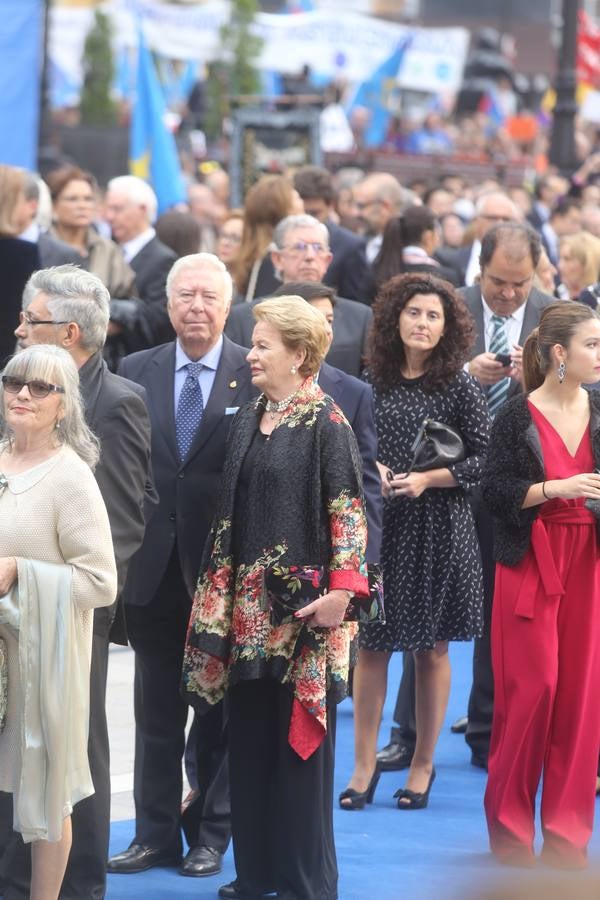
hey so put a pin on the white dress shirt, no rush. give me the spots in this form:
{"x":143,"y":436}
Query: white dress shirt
{"x":513,"y":325}
{"x":132,"y":248}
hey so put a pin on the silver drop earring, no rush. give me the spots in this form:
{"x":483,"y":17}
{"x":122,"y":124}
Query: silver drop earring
{"x":562,"y":370}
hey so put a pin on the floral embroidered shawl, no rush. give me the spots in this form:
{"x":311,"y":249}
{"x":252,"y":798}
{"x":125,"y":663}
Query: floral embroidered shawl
{"x":304,"y":511}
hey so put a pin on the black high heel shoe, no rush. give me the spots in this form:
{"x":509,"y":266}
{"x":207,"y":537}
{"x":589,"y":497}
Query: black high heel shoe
{"x":415,"y":800}
{"x":357,"y":799}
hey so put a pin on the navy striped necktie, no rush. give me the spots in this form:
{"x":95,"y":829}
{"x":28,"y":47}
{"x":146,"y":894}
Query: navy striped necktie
{"x":498,"y":393}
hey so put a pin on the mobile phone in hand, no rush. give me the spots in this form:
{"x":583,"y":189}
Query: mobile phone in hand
{"x":504,"y":358}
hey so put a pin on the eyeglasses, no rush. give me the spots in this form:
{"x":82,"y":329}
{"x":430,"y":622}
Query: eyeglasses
{"x":37,"y":389}
{"x":300,"y":248}
{"x":27,"y":319}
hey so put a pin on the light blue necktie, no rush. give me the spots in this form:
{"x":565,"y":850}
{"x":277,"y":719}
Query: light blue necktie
{"x":189,"y":409}
{"x":498,"y":393}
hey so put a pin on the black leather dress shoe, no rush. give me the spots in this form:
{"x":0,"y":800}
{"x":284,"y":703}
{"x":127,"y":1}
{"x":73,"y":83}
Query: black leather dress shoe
{"x":138,"y":858}
{"x":201,"y":861}
{"x":460,"y":726}
{"x":394,"y":757}
{"x":232,"y":891}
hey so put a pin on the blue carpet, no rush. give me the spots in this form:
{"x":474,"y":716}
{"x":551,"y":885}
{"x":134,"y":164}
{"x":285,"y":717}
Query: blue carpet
{"x":440,"y":853}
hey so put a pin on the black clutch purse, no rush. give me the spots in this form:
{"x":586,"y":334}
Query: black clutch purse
{"x":436,"y":446}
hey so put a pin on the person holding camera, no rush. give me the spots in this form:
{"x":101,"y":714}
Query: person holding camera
{"x":433,"y":425}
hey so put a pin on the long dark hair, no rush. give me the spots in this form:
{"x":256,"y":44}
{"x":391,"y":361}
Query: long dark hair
{"x":558,"y":322}
{"x":401,"y":231}
{"x":386,"y":350}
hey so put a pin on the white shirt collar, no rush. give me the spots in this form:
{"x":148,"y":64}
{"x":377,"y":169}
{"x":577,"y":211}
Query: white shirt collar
{"x":472,"y":270}
{"x":515,"y":319}
{"x":132,"y":248}
{"x":210,"y":360}
{"x":31,"y":234}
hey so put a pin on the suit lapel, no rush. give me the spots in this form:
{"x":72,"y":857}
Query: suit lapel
{"x":476,"y":308}
{"x":230,"y":378}
{"x":328,"y":381}
{"x":161,"y":384}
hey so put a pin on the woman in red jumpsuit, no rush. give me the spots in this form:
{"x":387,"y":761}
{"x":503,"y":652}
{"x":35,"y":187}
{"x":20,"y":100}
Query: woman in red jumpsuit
{"x":543,"y":489}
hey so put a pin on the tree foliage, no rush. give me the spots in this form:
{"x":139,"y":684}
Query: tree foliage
{"x":97,"y":106}
{"x":234,"y":73}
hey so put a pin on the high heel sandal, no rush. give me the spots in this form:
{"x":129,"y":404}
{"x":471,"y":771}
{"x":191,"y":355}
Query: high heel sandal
{"x":415,"y":800}
{"x":357,"y":799}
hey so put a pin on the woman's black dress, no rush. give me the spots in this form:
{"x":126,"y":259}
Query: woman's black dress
{"x":430,"y":553}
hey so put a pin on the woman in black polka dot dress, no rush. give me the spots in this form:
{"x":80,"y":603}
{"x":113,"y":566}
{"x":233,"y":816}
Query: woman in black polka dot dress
{"x":422,"y":333}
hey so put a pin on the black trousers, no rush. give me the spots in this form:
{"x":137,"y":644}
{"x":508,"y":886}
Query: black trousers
{"x":404,"y":730}
{"x":157,"y":634}
{"x":85,"y":877}
{"x":481,"y":700}
{"x":281,"y":805}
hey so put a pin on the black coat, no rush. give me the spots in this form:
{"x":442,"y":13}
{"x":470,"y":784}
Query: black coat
{"x":115,"y":410}
{"x":351,"y":325}
{"x":349,"y":272}
{"x":151,"y":266}
{"x":514,"y":463}
{"x":18,"y":260}
{"x":188,"y":490}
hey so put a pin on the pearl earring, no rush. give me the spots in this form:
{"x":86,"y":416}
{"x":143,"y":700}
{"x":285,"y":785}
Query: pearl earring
{"x":293,"y":370}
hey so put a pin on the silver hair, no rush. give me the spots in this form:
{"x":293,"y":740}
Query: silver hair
{"x":488,"y":195}
{"x":290,"y":223}
{"x":73,"y":296}
{"x":199,"y":261}
{"x":45,"y":362}
{"x":137,"y":191}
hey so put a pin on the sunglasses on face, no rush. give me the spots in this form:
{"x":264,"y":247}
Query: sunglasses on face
{"x":37,"y":389}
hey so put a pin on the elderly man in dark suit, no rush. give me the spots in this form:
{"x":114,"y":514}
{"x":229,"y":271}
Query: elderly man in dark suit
{"x":70,"y":308}
{"x":194,"y":386}
{"x":506,"y":308}
{"x":348,"y":271}
{"x":130,"y":209}
{"x":302,"y":254}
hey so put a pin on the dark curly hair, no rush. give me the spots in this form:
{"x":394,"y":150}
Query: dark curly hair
{"x":386,"y":350}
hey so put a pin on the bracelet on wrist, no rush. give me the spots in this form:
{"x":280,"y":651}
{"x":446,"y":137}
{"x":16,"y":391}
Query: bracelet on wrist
{"x":544,"y":491}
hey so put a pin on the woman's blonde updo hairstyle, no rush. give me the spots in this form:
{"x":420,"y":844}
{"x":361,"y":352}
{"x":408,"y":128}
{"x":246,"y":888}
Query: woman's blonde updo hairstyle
{"x":300,"y":325}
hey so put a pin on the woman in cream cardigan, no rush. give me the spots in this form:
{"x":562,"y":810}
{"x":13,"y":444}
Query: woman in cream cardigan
{"x":56,"y":566}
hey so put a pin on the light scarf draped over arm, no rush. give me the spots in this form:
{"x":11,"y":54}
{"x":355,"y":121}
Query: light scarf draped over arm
{"x":54,"y":771}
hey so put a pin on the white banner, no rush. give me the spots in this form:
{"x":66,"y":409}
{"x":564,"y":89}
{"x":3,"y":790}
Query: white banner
{"x":351,"y":46}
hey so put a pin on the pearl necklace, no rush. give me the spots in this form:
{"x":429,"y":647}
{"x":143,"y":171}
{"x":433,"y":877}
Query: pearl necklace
{"x":276,"y":407}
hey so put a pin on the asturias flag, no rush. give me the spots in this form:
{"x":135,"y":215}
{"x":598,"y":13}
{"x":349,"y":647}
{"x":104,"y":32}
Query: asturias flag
{"x":371,"y":94}
{"x":152,"y":150}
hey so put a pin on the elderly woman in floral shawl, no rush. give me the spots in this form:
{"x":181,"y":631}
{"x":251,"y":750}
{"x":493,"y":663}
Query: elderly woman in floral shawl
{"x":275,"y":611}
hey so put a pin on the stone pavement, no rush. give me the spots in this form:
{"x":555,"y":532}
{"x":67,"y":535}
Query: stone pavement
{"x":121,"y":731}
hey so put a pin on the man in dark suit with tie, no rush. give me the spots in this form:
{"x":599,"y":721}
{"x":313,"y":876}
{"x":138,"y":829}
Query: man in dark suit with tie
{"x":348,"y":272}
{"x":130,"y":209}
{"x":302,"y":254}
{"x":70,"y":308}
{"x":506,"y":309}
{"x":194,"y":386}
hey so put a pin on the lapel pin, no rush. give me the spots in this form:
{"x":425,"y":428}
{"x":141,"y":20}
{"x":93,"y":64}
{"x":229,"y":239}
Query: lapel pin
{"x":233,"y":384}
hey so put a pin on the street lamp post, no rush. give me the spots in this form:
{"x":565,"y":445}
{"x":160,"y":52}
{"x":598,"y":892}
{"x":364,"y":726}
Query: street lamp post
{"x":562,"y":141}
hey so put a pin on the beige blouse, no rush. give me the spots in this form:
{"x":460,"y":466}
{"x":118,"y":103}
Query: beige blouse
{"x":54,"y":513}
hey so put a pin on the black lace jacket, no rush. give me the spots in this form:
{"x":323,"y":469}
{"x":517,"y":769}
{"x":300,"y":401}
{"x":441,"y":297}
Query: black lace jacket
{"x":514,"y":463}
